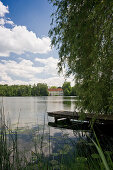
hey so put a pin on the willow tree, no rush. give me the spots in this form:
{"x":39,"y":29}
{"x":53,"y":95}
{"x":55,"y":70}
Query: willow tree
{"x":82,"y":31}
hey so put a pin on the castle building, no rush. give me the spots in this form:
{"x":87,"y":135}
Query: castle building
{"x":55,"y":92}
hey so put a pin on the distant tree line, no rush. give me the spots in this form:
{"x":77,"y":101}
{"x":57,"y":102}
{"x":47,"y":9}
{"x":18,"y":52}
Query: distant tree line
{"x":68,"y":90}
{"x":39,"y":89}
{"x":24,"y":90}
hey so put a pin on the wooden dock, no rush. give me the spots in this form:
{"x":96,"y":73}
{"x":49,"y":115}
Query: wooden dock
{"x":102,"y":118}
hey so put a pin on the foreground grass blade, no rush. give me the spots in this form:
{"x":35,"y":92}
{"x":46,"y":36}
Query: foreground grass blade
{"x":102,"y":156}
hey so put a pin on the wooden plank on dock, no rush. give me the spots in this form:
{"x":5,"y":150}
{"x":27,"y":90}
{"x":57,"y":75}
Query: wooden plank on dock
{"x":76,"y":115}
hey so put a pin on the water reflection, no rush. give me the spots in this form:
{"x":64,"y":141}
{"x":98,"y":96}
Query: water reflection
{"x":53,"y":141}
{"x":30,"y":115}
{"x":31,"y":110}
{"x":67,"y":102}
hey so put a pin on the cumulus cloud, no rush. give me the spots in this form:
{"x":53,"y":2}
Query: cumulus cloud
{"x":2,"y":21}
{"x":8,"y":21}
{"x":5,"y":21}
{"x":25,"y":69}
{"x":3,"y":9}
{"x":50,"y":65}
{"x":19,"y":39}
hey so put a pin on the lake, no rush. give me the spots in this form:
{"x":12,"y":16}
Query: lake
{"x":32,"y":110}
{"x":28,"y":115}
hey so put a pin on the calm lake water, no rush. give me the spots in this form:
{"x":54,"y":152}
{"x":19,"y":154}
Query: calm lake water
{"x":29,"y":116}
{"x":33,"y":110}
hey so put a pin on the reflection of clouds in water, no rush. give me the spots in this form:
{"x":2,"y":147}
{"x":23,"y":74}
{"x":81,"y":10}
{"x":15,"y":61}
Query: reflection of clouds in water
{"x":47,"y":140}
{"x":31,"y":110}
{"x":32,"y":115}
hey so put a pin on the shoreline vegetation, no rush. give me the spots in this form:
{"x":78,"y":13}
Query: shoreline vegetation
{"x":82,"y":32}
{"x":39,"y":89}
{"x":88,"y":154}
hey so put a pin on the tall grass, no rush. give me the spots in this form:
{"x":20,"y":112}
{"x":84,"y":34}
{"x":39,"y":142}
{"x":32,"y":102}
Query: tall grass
{"x":9,"y":155}
{"x":80,"y":157}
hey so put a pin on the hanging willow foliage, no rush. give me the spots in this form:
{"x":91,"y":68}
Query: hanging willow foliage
{"x":82,"y":31}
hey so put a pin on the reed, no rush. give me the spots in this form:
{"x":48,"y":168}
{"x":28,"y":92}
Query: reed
{"x":9,"y":154}
{"x":86,"y":155}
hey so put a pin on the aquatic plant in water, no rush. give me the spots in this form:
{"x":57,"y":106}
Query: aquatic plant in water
{"x":86,"y":155}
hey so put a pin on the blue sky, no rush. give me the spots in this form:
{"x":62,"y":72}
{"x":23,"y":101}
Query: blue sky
{"x":25,"y":53}
{"x":34,"y":14}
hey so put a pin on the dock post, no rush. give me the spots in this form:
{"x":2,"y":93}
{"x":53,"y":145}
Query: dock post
{"x":55,"y":120}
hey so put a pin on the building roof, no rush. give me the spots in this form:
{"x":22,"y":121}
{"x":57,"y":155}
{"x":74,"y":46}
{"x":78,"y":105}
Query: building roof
{"x":58,"y":89}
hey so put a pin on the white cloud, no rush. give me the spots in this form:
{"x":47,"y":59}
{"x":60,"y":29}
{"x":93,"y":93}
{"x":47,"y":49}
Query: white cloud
{"x":6,"y":21}
{"x":18,"y":39}
{"x":50,"y":65}
{"x":9,"y":22}
{"x":5,"y":77}
{"x":2,"y":21}
{"x":3,"y":9}
{"x":25,"y":69}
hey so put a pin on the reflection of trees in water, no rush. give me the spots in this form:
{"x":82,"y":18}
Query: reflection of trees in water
{"x":61,"y":142}
{"x":67,"y":101}
{"x":69,"y":147}
{"x":78,"y":140}
{"x":66,"y":145}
